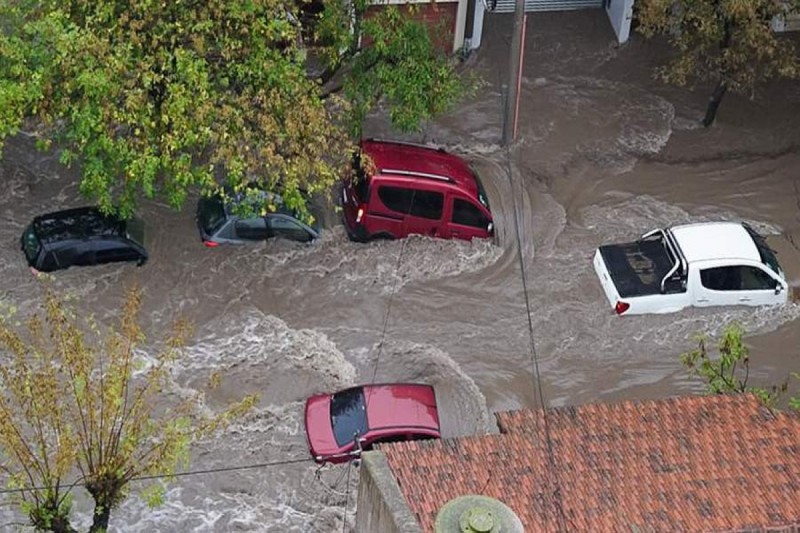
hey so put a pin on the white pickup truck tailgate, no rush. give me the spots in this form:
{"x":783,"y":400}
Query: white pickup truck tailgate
{"x":605,"y":279}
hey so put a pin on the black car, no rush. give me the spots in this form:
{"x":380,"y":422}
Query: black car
{"x":81,"y":237}
{"x":218,"y":223}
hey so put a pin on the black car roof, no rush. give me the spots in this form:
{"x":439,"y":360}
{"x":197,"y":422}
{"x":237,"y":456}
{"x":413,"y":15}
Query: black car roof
{"x":76,"y":224}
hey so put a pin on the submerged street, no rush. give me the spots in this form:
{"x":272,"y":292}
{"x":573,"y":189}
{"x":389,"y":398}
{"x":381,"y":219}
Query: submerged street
{"x":605,"y":153}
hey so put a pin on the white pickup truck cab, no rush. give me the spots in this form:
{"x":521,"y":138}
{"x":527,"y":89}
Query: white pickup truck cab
{"x":713,"y":263}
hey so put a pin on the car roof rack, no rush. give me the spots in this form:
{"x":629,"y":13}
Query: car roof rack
{"x":407,"y":143}
{"x":415,"y":174}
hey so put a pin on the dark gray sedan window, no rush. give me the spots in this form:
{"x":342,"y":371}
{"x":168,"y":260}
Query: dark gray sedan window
{"x":288,"y":229}
{"x":251,"y":229}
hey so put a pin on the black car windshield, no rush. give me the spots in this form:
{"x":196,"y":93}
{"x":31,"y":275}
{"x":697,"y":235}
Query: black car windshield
{"x":211,"y":214}
{"x":30,"y":243}
{"x":764,"y":251}
{"x":348,"y":415}
{"x":135,"y":229}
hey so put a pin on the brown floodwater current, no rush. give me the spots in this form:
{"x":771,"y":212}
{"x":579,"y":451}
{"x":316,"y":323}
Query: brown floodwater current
{"x":604,"y":153}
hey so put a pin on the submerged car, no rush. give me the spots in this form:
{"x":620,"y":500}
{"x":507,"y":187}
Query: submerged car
{"x":82,"y":237}
{"x":341,"y":425}
{"x":219,"y":224}
{"x":402,"y":188}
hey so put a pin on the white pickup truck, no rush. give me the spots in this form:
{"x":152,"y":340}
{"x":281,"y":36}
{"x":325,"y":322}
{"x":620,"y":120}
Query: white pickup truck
{"x":706,"y":264}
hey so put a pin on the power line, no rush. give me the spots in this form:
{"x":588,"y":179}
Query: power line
{"x":391,"y":295}
{"x":534,"y":355}
{"x":179,"y":474}
{"x":389,"y":309}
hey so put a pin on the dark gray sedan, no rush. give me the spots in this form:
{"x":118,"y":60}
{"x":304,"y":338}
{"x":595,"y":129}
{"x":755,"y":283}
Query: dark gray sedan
{"x":219,"y":224}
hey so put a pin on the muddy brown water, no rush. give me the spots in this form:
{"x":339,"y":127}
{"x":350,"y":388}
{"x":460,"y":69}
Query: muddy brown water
{"x":604,"y":153}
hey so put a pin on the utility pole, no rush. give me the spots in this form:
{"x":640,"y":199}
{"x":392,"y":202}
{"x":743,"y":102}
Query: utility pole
{"x":514,"y":74}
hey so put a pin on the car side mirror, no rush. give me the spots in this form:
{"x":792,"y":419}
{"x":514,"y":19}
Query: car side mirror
{"x":778,"y":288}
{"x":490,"y":227}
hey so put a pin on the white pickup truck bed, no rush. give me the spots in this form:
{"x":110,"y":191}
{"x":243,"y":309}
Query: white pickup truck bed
{"x":637,"y":268}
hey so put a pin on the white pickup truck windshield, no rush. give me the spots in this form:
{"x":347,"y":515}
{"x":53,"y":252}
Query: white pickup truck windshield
{"x":766,"y":253}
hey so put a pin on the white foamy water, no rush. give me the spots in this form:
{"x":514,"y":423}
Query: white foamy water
{"x":604,"y":153}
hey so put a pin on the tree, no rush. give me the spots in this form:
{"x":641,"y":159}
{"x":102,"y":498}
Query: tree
{"x":388,"y":54}
{"x":728,"y":42}
{"x":730,"y":372}
{"x":73,"y":408}
{"x":158,"y":98}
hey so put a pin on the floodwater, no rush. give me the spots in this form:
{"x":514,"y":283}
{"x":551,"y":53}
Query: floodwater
{"x":605,"y":153}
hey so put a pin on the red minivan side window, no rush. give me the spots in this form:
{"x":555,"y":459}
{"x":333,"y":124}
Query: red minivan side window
{"x":414,"y":202}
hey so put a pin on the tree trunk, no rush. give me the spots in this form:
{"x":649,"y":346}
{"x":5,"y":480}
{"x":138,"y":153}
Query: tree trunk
{"x":102,"y":515}
{"x":62,"y":525}
{"x":713,"y":103}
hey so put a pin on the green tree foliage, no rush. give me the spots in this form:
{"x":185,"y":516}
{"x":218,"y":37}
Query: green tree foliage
{"x":730,"y":371}
{"x":727,"y":42}
{"x":78,"y":407}
{"x":398,"y":61}
{"x":158,"y":98}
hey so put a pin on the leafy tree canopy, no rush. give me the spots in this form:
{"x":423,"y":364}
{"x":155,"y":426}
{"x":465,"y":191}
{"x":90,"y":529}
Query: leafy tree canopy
{"x":401,"y":64}
{"x":728,"y":42}
{"x":157,"y":98}
{"x":729,"y":371}
{"x":78,"y":407}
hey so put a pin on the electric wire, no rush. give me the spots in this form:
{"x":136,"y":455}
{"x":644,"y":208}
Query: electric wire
{"x":392,"y":294}
{"x":556,"y":493}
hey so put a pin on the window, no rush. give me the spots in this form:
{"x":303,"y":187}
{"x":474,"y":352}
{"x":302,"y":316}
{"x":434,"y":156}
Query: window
{"x":425,"y":204}
{"x":764,"y":251}
{"x":736,"y":278}
{"x":288,"y":229}
{"x":482,"y":197}
{"x":48,"y":262}
{"x":755,"y":279}
{"x":75,"y":253}
{"x":252,"y":229}
{"x":210,"y":214}
{"x":226,"y":231}
{"x":111,"y":252}
{"x":360,"y":179}
{"x":348,"y":415}
{"x":468,"y":214}
{"x":395,"y":198}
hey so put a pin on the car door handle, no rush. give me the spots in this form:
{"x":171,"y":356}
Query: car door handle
{"x":744,"y":299}
{"x":702,"y":300}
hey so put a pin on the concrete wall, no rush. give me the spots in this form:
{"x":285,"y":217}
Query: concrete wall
{"x":620,"y":13}
{"x":381,"y":506}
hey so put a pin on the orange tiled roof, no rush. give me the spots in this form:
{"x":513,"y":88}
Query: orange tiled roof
{"x":705,"y":463}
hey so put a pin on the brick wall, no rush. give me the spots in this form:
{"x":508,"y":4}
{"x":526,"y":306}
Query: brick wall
{"x":439,"y":16}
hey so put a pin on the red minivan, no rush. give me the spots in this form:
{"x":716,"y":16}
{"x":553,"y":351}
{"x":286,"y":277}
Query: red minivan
{"x":401,"y":188}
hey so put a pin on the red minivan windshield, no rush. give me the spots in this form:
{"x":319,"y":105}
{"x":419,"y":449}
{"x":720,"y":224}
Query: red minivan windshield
{"x":482,"y":197}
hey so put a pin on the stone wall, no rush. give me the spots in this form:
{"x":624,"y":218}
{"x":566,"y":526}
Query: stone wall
{"x":381,"y":506}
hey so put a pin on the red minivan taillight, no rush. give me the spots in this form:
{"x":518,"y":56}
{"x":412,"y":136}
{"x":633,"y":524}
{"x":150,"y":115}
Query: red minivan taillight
{"x":360,"y":213}
{"x":621,"y":307}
